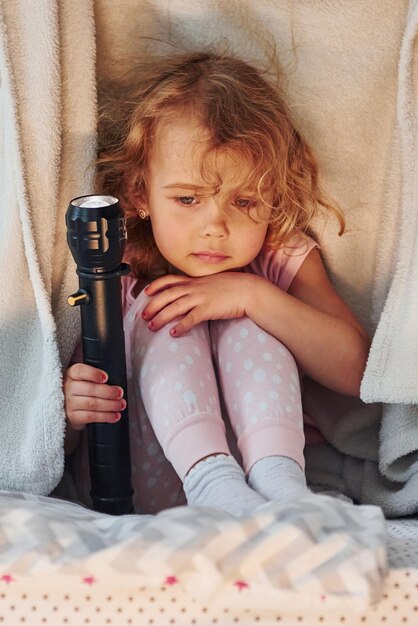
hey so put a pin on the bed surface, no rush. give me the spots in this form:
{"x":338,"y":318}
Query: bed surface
{"x":62,"y":564}
{"x":28,"y":604}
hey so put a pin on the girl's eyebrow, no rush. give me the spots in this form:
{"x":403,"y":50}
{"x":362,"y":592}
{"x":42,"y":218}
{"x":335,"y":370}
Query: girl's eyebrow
{"x":185,"y":186}
{"x":204,"y":188}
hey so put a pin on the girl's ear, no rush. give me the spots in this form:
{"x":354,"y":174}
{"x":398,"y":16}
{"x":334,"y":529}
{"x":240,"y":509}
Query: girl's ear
{"x":136,"y":194}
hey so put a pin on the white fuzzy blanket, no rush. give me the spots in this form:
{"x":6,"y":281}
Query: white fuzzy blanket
{"x":349,"y":77}
{"x":48,"y":121}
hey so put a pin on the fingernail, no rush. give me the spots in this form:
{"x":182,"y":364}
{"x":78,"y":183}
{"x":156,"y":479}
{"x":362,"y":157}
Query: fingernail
{"x":143,"y":315}
{"x":120,"y":392}
{"x":123,"y":403}
{"x":104,"y":377}
{"x":150,"y":324}
{"x":116,"y":418}
{"x":173,"y":331}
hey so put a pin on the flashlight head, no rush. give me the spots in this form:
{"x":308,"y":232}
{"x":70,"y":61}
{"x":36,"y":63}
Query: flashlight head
{"x":96,"y":233}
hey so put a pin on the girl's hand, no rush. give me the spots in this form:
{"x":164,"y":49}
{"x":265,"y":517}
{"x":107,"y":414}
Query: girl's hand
{"x":88,"y":399}
{"x":214,"y":297}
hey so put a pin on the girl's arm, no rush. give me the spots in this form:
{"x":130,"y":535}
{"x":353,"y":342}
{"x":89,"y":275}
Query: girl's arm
{"x":314,"y":323}
{"x":324,"y":336}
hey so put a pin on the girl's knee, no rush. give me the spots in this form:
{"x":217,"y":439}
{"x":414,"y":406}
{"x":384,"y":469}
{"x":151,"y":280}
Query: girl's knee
{"x":242,"y":334}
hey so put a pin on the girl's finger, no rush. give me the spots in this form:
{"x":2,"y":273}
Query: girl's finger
{"x":168,"y":314}
{"x":89,"y":404}
{"x":78,"y":419}
{"x":163,"y":300}
{"x":186,"y":323}
{"x":82,"y":371}
{"x":88,"y":389}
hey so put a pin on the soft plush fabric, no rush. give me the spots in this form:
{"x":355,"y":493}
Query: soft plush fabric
{"x":47,"y":143}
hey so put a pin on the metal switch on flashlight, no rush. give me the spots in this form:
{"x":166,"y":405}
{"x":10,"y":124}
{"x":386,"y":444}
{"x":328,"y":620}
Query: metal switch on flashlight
{"x":96,"y":235}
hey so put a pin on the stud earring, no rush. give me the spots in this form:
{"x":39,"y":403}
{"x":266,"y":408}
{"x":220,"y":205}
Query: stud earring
{"x":143,"y":214}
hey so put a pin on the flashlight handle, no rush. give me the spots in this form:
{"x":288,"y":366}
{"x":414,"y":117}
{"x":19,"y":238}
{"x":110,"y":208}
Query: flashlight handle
{"x":104,"y":347}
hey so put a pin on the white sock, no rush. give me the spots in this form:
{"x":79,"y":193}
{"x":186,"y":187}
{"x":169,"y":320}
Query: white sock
{"x":278,"y":478}
{"x":219,"y":482}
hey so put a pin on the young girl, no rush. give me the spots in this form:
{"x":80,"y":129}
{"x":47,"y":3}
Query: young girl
{"x":228,"y":304}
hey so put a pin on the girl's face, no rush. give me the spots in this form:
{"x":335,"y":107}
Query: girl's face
{"x":201,"y":227}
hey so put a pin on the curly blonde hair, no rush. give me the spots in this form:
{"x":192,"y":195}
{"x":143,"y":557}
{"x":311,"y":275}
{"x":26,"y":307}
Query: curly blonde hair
{"x":241,"y":110}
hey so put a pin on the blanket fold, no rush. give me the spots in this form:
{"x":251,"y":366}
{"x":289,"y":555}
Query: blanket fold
{"x":391,"y":478}
{"x":391,"y":373}
{"x":47,"y":101}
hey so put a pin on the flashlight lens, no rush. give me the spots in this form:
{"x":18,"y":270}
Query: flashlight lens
{"x":92,"y":202}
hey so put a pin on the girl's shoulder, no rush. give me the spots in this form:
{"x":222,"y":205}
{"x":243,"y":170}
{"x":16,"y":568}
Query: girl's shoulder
{"x":281,"y":265}
{"x":131,"y":288}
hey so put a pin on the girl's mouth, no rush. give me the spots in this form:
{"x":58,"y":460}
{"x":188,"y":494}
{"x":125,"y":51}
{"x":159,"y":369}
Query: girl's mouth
{"x":210,"y":257}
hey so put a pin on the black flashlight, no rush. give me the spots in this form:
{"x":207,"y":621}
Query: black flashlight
{"x":96,"y":234}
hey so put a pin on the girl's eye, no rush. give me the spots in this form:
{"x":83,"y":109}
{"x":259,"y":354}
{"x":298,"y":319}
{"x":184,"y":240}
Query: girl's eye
{"x":245,"y":203}
{"x":186,"y":200}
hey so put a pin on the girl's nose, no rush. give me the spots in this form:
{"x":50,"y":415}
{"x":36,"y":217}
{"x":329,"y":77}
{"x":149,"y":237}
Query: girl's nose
{"x":214,"y":219}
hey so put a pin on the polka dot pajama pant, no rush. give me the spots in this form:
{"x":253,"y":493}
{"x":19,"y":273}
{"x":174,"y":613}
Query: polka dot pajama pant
{"x":184,"y":381}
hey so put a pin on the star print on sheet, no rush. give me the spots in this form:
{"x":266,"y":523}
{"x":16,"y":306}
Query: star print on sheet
{"x":171,"y":580}
{"x":241,"y":584}
{"x":89,"y":580}
{"x":7,"y":578}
